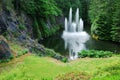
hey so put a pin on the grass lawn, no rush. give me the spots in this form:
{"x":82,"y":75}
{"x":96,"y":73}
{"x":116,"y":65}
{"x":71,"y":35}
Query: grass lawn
{"x":45,"y":68}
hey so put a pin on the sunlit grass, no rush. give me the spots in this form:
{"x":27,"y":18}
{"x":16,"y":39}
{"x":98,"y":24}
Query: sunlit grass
{"x":36,"y":68}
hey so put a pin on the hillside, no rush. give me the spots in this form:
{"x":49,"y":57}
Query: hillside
{"x":46,"y":68}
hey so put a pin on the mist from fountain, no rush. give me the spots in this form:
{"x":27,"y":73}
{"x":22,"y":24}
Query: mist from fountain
{"x":74,"y":36}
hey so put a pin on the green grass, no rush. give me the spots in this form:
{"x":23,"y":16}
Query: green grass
{"x":45,"y":68}
{"x":18,"y":50}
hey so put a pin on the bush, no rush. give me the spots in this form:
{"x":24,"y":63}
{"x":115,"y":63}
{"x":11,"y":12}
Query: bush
{"x":11,"y":57}
{"x":7,"y":60}
{"x":22,"y":52}
{"x":52,"y":53}
{"x":64,"y":60}
{"x":4,"y":60}
{"x":25,"y":51}
{"x":95,"y":54}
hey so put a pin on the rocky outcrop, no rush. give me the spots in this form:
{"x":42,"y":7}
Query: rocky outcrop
{"x":5,"y":51}
{"x":3,"y":27}
{"x":19,"y":28}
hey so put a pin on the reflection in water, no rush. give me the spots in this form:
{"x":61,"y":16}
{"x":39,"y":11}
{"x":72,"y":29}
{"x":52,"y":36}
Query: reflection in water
{"x":57,"y":43}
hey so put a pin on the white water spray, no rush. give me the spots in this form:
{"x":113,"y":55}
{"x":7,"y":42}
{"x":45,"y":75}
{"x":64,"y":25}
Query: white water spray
{"x":74,"y":36}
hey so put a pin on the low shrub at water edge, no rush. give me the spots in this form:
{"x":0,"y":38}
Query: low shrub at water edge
{"x":95,"y":54}
{"x":50,"y":53}
{"x":55,"y":55}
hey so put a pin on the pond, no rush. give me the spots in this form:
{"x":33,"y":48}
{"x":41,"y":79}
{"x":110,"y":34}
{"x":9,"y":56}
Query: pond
{"x":57,"y":43}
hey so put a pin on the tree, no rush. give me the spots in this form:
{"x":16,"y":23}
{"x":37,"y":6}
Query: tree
{"x":115,"y":32}
{"x":104,"y":16}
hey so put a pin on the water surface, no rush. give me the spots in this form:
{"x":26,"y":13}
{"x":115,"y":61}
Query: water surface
{"x":57,"y":43}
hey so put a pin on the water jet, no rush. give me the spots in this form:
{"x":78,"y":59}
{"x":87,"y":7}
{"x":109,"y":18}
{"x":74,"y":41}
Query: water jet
{"x":74,"y":36}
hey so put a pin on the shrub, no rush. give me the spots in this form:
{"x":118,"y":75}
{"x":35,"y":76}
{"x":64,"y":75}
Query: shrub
{"x":7,"y":60}
{"x":22,"y":27}
{"x":25,"y":51}
{"x":95,"y":54}
{"x":52,"y":53}
{"x":4,"y":60}
{"x":22,"y":52}
{"x":11,"y":57}
{"x":64,"y":60}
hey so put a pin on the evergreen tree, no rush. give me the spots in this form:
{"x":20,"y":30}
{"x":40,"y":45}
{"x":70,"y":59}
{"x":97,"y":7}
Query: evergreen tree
{"x":105,"y":17}
{"x":115,"y":33}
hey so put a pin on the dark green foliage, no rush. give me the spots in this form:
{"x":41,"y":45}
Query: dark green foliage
{"x":41,"y":8}
{"x":115,"y":32}
{"x":21,"y":23}
{"x":48,"y":30}
{"x":101,"y":27}
{"x":41,"y":11}
{"x":6,"y":4}
{"x":104,"y":16}
{"x":55,"y":55}
{"x":28,"y":6}
{"x":22,"y":27}
{"x":50,"y":52}
{"x":23,"y":52}
{"x":65,"y":5}
{"x":95,"y":54}
{"x":84,"y":11}
{"x":11,"y":57}
{"x":36,"y":30}
{"x":64,"y":60}
{"x":6,"y":60}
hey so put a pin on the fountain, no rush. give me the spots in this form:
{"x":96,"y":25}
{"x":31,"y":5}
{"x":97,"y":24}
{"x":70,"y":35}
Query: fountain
{"x":74,"y":36}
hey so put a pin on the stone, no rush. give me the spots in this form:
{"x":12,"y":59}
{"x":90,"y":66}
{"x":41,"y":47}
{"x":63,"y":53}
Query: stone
{"x":5,"y":52}
{"x":3,"y":27}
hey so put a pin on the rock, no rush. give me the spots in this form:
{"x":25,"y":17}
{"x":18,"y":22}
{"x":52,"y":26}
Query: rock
{"x":5,"y":51}
{"x":58,"y":57}
{"x":22,"y":37}
{"x":12,"y":27}
{"x":3,"y":27}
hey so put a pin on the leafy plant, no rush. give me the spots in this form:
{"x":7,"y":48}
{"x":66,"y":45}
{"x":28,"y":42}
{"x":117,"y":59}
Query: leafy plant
{"x":95,"y":54}
{"x":55,"y":55}
{"x":64,"y":60}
